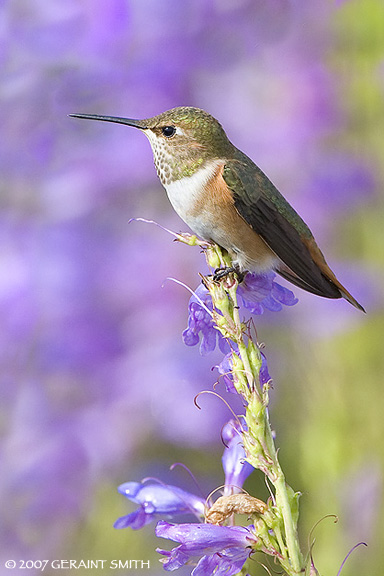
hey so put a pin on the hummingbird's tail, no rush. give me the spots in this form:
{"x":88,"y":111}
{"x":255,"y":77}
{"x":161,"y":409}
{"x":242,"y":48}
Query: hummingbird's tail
{"x":332,"y":288}
{"x":347,"y":296}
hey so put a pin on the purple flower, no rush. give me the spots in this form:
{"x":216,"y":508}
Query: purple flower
{"x":222,"y":549}
{"x":164,"y":500}
{"x":236,"y":468}
{"x":200,"y":321}
{"x":259,"y":292}
{"x":256,"y":293}
{"x":157,"y":500}
{"x":225,"y":369}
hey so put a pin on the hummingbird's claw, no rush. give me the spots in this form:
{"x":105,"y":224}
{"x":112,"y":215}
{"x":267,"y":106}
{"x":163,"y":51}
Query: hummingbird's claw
{"x":221,"y":273}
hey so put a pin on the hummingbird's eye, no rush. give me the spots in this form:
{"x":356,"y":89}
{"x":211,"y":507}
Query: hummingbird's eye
{"x":169,"y":131}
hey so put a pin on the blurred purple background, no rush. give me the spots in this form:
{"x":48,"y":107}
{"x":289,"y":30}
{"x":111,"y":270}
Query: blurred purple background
{"x":95,"y":380}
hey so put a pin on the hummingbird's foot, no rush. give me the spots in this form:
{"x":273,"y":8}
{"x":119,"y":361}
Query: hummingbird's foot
{"x":221,"y":273}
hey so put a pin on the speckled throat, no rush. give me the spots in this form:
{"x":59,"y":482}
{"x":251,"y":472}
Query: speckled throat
{"x":174,"y":164}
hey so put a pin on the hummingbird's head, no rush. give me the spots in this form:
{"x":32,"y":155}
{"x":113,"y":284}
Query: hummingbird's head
{"x":183,"y":140}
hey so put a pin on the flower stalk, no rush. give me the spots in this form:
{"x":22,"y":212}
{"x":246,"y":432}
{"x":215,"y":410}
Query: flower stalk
{"x":257,"y":437}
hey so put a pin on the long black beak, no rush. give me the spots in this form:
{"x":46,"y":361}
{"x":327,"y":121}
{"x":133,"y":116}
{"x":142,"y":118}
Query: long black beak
{"x":116,"y":119}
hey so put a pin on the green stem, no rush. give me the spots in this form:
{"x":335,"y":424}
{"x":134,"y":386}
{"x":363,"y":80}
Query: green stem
{"x":283,"y":503}
{"x":258,"y":440}
{"x":277,"y":476}
{"x":258,"y":424}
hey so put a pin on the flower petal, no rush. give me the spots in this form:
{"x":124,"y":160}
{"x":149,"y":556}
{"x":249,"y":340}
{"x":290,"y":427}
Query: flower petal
{"x":157,"y":500}
{"x":226,"y":563}
{"x":233,"y":542}
{"x":235,"y":467}
{"x":135,"y":520}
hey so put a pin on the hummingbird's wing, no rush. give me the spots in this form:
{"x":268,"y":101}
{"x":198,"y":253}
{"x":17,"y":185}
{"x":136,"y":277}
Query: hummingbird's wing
{"x":263,"y":207}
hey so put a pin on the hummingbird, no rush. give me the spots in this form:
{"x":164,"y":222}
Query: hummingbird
{"x":225,"y":198}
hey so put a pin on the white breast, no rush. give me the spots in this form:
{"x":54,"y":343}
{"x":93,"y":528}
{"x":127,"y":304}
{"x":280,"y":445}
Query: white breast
{"x":185,"y":194}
